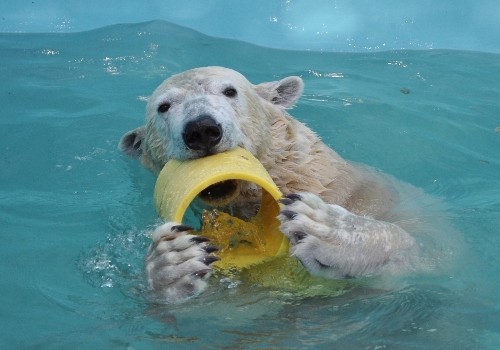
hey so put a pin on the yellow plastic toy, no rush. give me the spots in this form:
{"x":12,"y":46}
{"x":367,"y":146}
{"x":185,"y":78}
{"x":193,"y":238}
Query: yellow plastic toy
{"x":241,"y":244}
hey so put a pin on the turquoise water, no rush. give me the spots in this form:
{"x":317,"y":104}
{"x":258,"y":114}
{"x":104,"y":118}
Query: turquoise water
{"x":328,"y":25}
{"x":74,"y":211}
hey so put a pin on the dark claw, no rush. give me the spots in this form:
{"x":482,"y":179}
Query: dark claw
{"x":210,"y":249}
{"x":201,"y":273}
{"x":290,"y":215}
{"x":323,"y":266}
{"x":181,"y":228}
{"x":210,"y":259}
{"x":299,"y":236}
{"x":285,"y":201}
{"x":294,"y":197}
{"x":199,"y":239}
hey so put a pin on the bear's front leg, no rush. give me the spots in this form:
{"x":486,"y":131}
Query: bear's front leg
{"x":178,"y":263}
{"x":332,"y":242}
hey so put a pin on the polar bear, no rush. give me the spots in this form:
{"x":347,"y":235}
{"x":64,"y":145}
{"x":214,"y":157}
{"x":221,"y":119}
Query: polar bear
{"x":339,"y":217}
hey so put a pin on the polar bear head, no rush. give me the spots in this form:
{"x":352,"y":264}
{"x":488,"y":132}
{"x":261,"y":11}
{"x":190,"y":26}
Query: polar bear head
{"x":209,"y":110}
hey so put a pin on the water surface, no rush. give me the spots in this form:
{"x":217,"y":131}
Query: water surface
{"x":75,"y":212}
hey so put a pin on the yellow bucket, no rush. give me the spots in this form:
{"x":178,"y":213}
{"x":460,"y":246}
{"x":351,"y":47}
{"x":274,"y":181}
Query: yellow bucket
{"x":179,"y":183}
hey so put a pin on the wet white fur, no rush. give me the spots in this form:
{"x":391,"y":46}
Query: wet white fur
{"x":351,"y":236}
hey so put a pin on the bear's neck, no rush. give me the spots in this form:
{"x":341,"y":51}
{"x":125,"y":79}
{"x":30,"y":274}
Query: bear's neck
{"x":298,"y":161}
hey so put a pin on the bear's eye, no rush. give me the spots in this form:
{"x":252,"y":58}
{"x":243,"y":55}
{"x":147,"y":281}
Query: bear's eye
{"x":230,"y":92}
{"x":163,"y":107}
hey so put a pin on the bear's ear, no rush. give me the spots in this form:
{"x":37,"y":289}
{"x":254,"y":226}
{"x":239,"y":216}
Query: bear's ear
{"x":131,"y":142}
{"x":284,"y":92}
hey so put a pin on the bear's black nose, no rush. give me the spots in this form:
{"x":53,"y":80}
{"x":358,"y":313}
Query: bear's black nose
{"x":202,"y":133}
